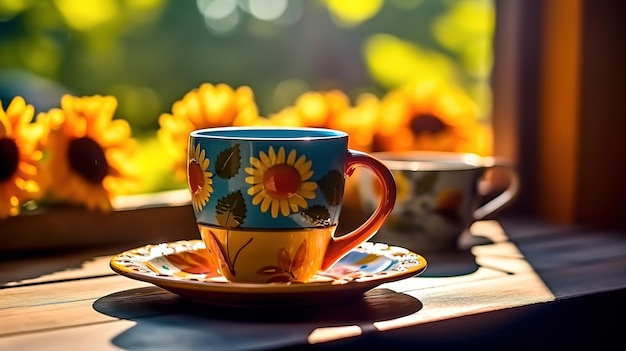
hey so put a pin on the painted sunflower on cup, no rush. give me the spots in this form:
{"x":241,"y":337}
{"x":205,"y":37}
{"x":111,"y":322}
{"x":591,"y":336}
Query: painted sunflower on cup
{"x":20,"y":153}
{"x":332,"y":109}
{"x":204,"y":107}
{"x":90,"y":153}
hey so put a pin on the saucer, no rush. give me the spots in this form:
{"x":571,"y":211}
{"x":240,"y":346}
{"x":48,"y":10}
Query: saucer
{"x":181,"y":267}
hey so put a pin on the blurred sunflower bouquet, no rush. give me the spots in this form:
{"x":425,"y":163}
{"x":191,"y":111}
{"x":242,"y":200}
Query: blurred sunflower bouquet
{"x":79,"y":153}
{"x":76,"y":153}
{"x":423,"y":115}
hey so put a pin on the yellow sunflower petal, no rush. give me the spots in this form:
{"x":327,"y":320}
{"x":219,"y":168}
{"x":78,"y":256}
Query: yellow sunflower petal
{"x":5,"y":125}
{"x":307,"y":194}
{"x":261,"y":196}
{"x":265,"y":159}
{"x":284,"y":207}
{"x":257,"y":174}
{"x":306,"y":176}
{"x":255,"y":189}
{"x":280,"y":157}
{"x":258,"y":164}
{"x":24,"y":184}
{"x":205,"y":162}
{"x":251,"y":180}
{"x":309,"y":186}
{"x":298,"y":201}
{"x":267,"y":201}
{"x":303,"y":166}
{"x":272,"y":156}
{"x":275,"y":208}
{"x":291,"y":158}
{"x":117,"y":132}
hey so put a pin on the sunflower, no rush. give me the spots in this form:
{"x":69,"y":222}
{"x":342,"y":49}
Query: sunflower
{"x":90,"y":153}
{"x":20,"y":153}
{"x":359,"y":121}
{"x":200,"y":180}
{"x":204,"y":107}
{"x":280,"y":181}
{"x":428,"y":115}
{"x":332,"y":110}
{"x":313,"y":109}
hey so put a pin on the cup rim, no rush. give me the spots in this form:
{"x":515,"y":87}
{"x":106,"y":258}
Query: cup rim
{"x":252,"y":133}
{"x":424,"y":160}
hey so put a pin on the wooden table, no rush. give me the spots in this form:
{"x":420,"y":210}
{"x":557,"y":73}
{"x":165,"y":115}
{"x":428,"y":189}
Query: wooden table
{"x":523,"y":284}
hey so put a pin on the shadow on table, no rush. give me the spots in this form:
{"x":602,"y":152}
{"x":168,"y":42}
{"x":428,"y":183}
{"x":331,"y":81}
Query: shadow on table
{"x":166,"y":321}
{"x":452,"y":263}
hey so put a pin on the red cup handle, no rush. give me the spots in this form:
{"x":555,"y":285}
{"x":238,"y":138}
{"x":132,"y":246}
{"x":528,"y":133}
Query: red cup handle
{"x":340,"y":246}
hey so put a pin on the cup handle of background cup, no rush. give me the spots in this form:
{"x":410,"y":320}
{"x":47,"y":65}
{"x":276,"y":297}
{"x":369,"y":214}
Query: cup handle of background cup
{"x":507,"y":195}
{"x":340,"y":246}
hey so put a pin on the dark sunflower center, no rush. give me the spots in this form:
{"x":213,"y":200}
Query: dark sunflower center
{"x":427,"y":123}
{"x":282,"y":181}
{"x":87,"y":158}
{"x":195,"y":176}
{"x":9,"y":158}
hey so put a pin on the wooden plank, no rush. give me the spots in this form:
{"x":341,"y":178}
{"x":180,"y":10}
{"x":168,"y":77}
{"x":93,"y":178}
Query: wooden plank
{"x":444,"y":302}
{"x":96,"y":267}
{"x":585,"y":277}
{"x":65,"y":227}
{"x":88,"y":337}
{"x":58,"y":305}
{"x":66,"y":291}
{"x":38,"y":307}
{"x":195,"y":325}
{"x":422,"y":282}
{"x":31,"y":305}
{"x":63,"y":311}
{"x":573,"y":248}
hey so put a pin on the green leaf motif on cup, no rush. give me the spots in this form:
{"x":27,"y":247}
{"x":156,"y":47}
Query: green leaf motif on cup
{"x":228,"y":162}
{"x":332,"y":187}
{"x":231,"y":210}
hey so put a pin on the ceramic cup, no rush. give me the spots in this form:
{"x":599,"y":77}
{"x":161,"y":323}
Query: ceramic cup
{"x":267,"y":200}
{"x":440,"y":194}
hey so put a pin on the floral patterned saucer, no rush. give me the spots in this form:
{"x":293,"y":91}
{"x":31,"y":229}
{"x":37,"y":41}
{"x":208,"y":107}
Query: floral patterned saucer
{"x":182,"y":268}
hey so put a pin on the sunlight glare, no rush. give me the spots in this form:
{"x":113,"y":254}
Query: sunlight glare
{"x":394,"y":61}
{"x":351,"y":13}
{"x":267,"y":10}
{"x":216,"y":9}
{"x":85,"y":17}
{"x":223,"y":26}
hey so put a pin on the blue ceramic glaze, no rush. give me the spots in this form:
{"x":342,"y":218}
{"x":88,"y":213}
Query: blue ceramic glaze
{"x":267,"y":178}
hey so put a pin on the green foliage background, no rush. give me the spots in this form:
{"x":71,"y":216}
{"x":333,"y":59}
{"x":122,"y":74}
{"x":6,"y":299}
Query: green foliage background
{"x":149,"y":53}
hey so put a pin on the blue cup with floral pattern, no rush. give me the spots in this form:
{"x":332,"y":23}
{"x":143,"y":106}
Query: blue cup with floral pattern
{"x":267,"y":200}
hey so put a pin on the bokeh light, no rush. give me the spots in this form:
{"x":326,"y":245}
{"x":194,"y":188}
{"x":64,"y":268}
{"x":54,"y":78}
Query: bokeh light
{"x":85,"y":15}
{"x":149,"y":53}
